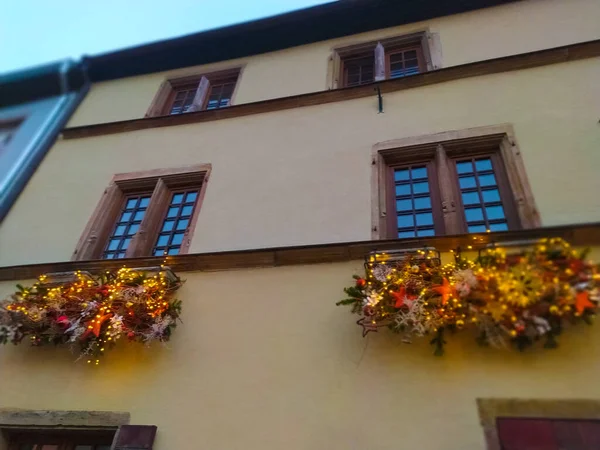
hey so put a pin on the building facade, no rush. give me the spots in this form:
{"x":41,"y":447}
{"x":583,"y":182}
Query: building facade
{"x":263,"y":162}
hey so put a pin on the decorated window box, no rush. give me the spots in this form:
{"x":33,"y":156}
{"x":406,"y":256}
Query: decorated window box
{"x":91,"y":314}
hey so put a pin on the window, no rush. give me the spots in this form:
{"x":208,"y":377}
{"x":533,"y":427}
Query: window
{"x":548,"y":434}
{"x":459,"y":182}
{"x":74,"y":440}
{"x":389,"y":58}
{"x":540,"y":424}
{"x":195,"y":93}
{"x":145,"y":214}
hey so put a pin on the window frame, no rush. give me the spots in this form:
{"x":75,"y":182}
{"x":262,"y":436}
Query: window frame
{"x":444,"y":149}
{"x":161,"y":182}
{"x":162,"y":102}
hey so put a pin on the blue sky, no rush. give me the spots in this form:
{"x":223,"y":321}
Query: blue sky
{"x":34,"y":32}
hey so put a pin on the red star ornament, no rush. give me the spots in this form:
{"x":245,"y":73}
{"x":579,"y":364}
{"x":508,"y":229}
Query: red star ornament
{"x":401,"y":297}
{"x":446,"y":290}
{"x":582,"y":301}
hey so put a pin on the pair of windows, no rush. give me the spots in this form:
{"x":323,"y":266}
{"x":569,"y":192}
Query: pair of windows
{"x":195,"y":93}
{"x":470,"y":181}
{"x":145,"y":214}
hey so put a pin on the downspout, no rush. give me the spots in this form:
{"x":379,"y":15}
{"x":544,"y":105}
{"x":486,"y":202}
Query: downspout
{"x":44,"y":137}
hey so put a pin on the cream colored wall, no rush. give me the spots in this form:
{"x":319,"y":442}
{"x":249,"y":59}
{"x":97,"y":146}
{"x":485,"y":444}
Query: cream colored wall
{"x":302,"y":176}
{"x":514,"y":28}
{"x":265,"y":360}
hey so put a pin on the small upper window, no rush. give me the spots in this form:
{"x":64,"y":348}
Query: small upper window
{"x":396,"y":57}
{"x":196,"y":93}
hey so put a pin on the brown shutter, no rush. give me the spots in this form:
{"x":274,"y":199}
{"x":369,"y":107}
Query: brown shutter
{"x":379,"y":62}
{"x":447,"y":187}
{"x":134,"y":437}
{"x":143,"y":241}
{"x":100,"y":225}
{"x":527,"y":434}
{"x":201,"y":94}
{"x":160,"y":99}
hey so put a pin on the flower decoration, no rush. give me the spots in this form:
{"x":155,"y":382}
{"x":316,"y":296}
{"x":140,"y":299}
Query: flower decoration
{"x":92,"y":314}
{"x":517,"y":298}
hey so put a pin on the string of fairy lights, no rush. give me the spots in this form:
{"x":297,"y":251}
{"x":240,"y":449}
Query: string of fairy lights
{"x":92,"y":313}
{"x":520,"y":296}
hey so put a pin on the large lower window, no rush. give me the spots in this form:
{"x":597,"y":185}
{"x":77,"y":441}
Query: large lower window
{"x":73,"y":440}
{"x":429,"y":186}
{"x":145,"y":214}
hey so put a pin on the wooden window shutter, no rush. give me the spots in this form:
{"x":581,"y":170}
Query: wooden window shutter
{"x":379,"y":62}
{"x":201,"y":94}
{"x":143,"y":241}
{"x":134,"y":437}
{"x":448,"y":194}
{"x":526,"y":434}
{"x":100,"y":225}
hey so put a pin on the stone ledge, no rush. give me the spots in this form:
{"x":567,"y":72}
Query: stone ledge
{"x":26,"y":418}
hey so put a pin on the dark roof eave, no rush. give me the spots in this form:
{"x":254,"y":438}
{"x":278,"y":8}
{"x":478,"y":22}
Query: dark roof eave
{"x":319,"y":23}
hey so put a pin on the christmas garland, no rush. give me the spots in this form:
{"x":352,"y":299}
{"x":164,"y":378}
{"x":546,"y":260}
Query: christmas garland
{"x":517,"y":298}
{"x":92,"y":314}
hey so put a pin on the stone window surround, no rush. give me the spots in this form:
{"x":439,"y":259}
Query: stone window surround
{"x":410,"y":149}
{"x":428,"y":41}
{"x":52,"y":420}
{"x":490,"y":409}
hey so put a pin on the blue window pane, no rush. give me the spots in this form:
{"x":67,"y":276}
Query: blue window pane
{"x":125,"y":217}
{"x":464,"y":167}
{"x":120,"y":230}
{"x":173,"y":251}
{"x":401,"y":175}
{"x":467,"y":182}
{"x":109,"y":256}
{"x":131,"y":203}
{"x":177,"y":239}
{"x":125,"y":244}
{"x":422,"y":203}
{"x":491,"y":195}
{"x":404,"y":205}
{"x":419,"y":172}
{"x":177,"y":199}
{"x":494,"y":212}
{"x":114,"y":244}
{"x":498,"y":227}
{"x":470,"y":198}
{"x":133,"y":229}
{"x":139,"y":215}
{"x":144,"y":202}
{"x":159,"y":252}
{"x":424,"y":219}
{"x":191,"y":197}
{"x":187,"y":210}
{"x":474,"y":214}
{"x":406,"y":234}
{"x":421,"y":188}
{"x":477,"y":229}
{"x":162,"y":240}
{"x":173,"y":212}
{"x":182,"y":224}
{"x":121,"y":255}
{"x":168,"y":225}
{"x":403,"y":189}
{"x":483,"y":164}
{"x":405,"y":221}
{"x":426,"y":232}
{"x":487,"y":180}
